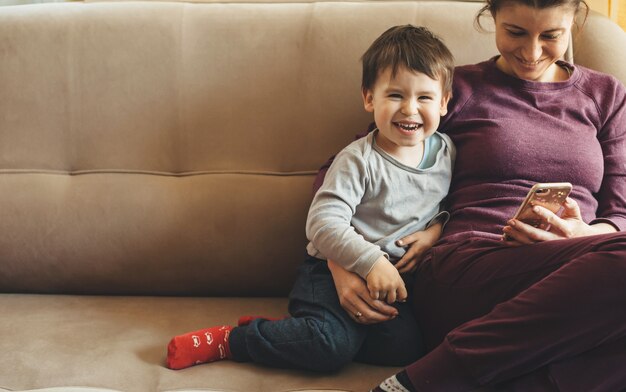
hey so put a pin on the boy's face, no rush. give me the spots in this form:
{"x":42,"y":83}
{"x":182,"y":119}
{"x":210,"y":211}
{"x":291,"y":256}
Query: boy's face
{"x":407,"y":108}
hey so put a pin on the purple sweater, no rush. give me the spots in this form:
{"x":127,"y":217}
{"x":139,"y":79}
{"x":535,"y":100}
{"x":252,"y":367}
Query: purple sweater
{"x":512,"y":133}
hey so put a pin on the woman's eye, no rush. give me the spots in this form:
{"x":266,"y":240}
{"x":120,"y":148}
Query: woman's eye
{"x":516,"y":33}
{"x":551,"y":36}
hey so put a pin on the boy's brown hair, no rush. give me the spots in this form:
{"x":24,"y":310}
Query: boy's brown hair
{"x":415,"y":48}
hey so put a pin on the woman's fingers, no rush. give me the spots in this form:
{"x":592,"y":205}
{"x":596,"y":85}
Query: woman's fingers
{"x":526,"y":234}
{"x":366,"y":310}
{"x":356,"y":300}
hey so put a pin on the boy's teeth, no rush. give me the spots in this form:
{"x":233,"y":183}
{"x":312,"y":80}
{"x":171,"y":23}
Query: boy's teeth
{"x":408,"y":127}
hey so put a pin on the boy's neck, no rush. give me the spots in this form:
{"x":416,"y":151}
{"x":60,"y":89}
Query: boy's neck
{"x":410,"y":156}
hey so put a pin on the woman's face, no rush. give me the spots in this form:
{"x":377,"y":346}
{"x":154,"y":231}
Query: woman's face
{"x":531,"y":40}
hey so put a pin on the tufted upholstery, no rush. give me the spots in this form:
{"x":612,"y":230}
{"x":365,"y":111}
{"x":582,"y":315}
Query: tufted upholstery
{"x":161,"y":155}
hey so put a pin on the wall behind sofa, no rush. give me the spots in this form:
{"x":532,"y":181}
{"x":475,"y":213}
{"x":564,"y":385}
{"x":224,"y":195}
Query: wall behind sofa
{"x":614,"y":9}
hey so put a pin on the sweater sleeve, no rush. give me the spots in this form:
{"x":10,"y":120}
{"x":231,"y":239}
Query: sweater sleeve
{"x":612,"y":136}
{"x":328,"y":226}
{"x":321,"y":174}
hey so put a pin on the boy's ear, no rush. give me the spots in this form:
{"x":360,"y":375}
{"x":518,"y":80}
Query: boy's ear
{"x":368,"y":100}
{"x":443,"y":109}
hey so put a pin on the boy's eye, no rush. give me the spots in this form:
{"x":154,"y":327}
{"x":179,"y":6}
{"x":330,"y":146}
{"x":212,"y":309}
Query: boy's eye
{"x":395,"y":96}
{"x":425,"y":98}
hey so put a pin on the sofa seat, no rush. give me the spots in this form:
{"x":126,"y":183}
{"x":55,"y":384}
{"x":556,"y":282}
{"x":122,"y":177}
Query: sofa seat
{"x":119,"y":343}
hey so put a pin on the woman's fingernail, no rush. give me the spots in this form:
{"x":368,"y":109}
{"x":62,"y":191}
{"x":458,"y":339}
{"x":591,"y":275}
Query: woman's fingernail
{"x":399,"y":243}
{"x":511,"y":222}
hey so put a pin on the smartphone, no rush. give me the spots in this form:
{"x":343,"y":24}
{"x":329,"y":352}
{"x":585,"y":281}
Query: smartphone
{"x":548,"y":195}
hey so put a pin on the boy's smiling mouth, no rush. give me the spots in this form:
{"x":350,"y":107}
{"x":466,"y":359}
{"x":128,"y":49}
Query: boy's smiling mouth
{"x":407,"y":127}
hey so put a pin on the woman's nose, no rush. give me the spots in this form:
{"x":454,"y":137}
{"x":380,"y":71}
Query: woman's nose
{"x":532,"y":51}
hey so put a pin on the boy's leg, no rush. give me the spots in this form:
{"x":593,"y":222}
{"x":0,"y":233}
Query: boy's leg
{"x":319,"y":336}
{"x":570,"y":302}
{"x":397,"y":342}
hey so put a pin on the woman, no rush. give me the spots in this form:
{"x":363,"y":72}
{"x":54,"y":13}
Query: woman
{"x":543,"y":309}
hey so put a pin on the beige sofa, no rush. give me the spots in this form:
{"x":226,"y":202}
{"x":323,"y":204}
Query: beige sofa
{"x":156,"y":162}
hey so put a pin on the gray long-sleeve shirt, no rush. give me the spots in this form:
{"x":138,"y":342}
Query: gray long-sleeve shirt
{"x":369,"y":200}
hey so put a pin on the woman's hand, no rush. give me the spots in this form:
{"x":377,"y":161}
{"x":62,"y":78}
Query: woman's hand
{"x":354,"y":297}
{"x":569,"y":225}
{"x":418,"y":243}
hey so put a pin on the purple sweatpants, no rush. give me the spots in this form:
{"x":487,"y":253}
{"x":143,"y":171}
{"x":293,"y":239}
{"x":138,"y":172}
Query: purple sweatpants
{"x":549,"y":316}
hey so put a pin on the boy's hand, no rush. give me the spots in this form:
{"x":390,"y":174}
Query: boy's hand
{"x":355,"y":298}
{"x":384,"y":282}
{"x":418,"y":244}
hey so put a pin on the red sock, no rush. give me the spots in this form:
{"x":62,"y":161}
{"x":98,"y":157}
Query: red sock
{"x":205,"y":345}
{"x":245,"y":320}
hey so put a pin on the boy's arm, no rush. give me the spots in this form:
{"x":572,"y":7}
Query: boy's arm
{"x":384,"y":282}
{"x":319,"y":179}
{"x":329,"y":228}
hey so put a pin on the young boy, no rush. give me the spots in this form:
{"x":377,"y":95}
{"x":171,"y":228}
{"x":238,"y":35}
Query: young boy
{"x":379,"y":189}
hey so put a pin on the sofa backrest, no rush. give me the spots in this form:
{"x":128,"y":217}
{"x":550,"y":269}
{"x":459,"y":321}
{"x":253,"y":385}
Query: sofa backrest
{"x":169,"y":148}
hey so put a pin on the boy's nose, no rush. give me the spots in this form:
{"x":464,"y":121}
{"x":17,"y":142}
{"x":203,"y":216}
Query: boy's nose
{"x":409,"y":108}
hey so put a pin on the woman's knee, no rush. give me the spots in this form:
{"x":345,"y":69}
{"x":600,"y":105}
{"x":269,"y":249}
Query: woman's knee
{"x":614,"y":242}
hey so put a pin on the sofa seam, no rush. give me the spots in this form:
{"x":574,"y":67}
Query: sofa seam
{"x":157,"y":173}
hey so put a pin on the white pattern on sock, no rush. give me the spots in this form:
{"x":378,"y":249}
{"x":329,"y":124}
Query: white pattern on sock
{"x":392,"y":385}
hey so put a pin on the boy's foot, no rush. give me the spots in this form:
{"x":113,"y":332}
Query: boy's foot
{"x":205,"y":345}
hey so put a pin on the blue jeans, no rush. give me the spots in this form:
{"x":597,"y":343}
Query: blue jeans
{"x":321,"y":336}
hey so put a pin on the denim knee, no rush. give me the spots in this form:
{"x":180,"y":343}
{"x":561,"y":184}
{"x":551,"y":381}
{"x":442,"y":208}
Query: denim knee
{"x":331,"y":348}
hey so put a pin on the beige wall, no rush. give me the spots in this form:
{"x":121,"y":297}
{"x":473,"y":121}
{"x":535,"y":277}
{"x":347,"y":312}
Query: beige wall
{"x":615,"y":9}
{"x":601,"y":6}
{"x":619,"y":13}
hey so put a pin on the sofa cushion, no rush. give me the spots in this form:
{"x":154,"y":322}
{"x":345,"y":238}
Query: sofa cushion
{"x":120,"y":343}
{"x":162,"y":142}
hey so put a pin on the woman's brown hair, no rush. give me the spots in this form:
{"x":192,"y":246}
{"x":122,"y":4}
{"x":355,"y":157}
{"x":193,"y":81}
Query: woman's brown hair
{"x":493,"y":6}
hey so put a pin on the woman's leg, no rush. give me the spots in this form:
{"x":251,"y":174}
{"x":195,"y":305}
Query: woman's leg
{"x":600,"y":369}
{"x":521,"y":309}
